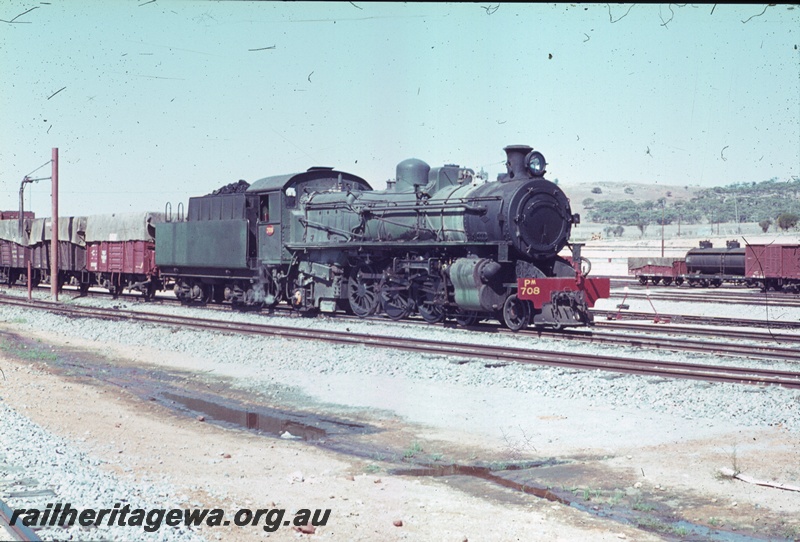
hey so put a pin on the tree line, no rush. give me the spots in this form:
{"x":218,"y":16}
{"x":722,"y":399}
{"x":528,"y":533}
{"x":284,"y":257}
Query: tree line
{"x":767,"y":202}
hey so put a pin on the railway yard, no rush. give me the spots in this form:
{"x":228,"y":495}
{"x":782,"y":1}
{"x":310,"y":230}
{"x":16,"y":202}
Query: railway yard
{"x":408,"y":431}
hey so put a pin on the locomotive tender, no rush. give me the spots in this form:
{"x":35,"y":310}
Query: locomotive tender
{"x":435,"y":243}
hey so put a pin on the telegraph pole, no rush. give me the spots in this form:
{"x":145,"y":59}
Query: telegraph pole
{"x":53,"y":223}
{"x":663,"y":205}
{"x":54,"y":227}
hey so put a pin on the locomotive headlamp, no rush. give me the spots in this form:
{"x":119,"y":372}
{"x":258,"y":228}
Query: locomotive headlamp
{"x":535,"y":163}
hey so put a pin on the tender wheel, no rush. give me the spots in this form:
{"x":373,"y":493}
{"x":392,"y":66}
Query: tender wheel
{"x":429,"y":297}
{"x":219,"y":293}
{"x":253,"y":298}
{"x":362,"y":291}
{"x":395,"y":301}
{"x":516,"y":313}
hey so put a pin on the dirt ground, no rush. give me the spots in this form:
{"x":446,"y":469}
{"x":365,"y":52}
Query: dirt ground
{"x":127,"y":432}
{"x":670,"y":489}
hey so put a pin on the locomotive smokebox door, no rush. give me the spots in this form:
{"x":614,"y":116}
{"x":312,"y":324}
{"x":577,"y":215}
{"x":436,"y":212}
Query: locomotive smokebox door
{"x":269,"y":228}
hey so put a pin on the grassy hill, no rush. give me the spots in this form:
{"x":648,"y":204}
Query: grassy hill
{"x":637,"y":192}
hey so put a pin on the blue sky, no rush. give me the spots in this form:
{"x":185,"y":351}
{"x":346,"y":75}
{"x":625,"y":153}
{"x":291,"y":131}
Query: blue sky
{"x":155,"y":102}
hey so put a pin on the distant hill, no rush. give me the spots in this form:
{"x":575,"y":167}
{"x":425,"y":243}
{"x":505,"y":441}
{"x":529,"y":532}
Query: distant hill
{"x":637,"y":192}
{"x":631,"y":204}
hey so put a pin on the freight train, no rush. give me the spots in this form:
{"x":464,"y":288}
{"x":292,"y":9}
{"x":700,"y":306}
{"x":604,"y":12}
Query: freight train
{"x":115,"y":252}
{"x":438,"y":243}
{"x":766,"y":266}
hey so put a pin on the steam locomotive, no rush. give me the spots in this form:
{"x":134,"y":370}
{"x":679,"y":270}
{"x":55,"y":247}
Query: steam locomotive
{"x":437,"y":242}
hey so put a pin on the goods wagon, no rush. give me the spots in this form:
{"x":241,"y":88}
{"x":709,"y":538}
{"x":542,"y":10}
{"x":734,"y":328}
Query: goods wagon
{"x":773,"y":266}
{"x":121,"y":252}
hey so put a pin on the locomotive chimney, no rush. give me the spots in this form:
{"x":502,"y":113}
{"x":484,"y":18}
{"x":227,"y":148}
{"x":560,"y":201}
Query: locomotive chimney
{"x":515,"y":161}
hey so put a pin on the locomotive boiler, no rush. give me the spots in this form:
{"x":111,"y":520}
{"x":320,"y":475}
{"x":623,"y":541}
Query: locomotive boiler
{"x":438,"y":242}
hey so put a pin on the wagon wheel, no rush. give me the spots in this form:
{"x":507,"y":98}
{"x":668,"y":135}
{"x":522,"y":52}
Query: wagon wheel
{"x":429,"y":297}
{"x":667,"y":281}
{"x":114,"y":288}
{"x":516,"y":313}
{"x":149,"y":291}
{"x":83,"y":288}
{"x":642,"y":280}
{"x":678,"y":281}
{"x":395,"y":300}
{"x":362,"y":291}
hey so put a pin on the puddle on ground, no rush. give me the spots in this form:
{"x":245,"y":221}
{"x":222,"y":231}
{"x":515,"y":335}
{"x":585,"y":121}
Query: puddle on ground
{"x":484,"y":473}
{"x":260,"y":421}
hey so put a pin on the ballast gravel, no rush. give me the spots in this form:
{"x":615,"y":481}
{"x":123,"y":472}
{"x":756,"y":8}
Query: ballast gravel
{"x":259,"y":364}
{"x":54,"y":471}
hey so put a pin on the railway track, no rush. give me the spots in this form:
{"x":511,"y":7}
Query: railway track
{"x":17,"y":532}
{"x":715,"y":332}
{"x":728,"y":298}
{"x":14,"y":533}
{"x":770,"y":352}
{"x":572,"y":360}
{"x":604,"y":315}
{"x":603,"y":318}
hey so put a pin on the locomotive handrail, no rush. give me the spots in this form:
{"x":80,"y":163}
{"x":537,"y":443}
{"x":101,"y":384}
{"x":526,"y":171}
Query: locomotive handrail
{"x":330,"y":229}
{"x":445,"y":206}
{"x":368,"y":206}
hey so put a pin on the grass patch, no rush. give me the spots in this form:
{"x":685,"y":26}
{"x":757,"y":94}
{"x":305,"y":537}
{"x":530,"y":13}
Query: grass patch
{"x":642,"y":506}
{"x":25,"y":352}
{"x":413,"y":450}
